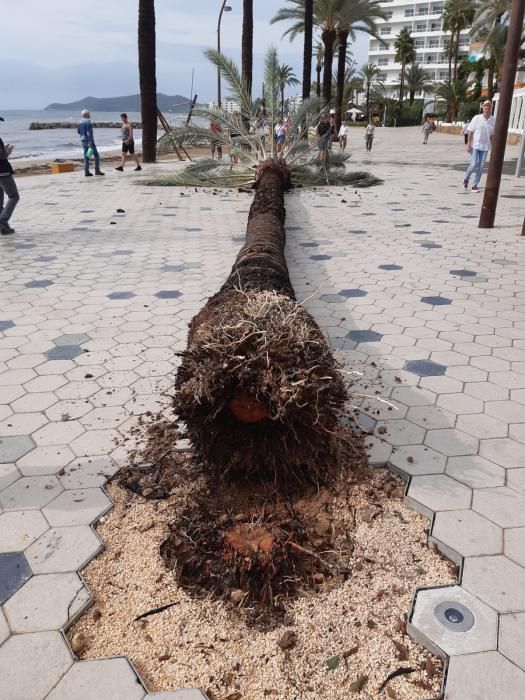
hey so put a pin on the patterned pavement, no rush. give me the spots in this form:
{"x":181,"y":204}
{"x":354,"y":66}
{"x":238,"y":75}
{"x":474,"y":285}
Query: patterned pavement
{"x":97,"y":287}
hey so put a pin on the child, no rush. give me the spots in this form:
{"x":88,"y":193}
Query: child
{"x":128,"y":144}
{"x":369,"y":136}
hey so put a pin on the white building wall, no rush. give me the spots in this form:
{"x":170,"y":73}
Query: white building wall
{"x":424,"y":20}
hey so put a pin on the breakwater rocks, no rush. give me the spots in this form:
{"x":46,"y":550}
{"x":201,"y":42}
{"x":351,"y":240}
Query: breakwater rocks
{"x":38,"y":126}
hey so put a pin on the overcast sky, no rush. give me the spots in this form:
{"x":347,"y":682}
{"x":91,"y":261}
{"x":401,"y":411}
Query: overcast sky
{"x":64,"y":50}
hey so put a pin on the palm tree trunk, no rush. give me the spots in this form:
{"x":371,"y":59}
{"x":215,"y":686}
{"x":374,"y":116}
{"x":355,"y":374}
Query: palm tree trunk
{"x":490,"y":77}
{"x":450,"y":54}
{"x":401,"y":84}
{"x":307,"y":53}
{"x":247,"y":43}
{"x":282,"y":101}
{"x":328,"y":38}
{"x":147,"y":79}
{"x":456,"y":51}
{"x":230,"y":410}
{"x":412,"y":94}
{"x":368,"y":101}
{"x":318,"y":70}
{"x":341,"y":68}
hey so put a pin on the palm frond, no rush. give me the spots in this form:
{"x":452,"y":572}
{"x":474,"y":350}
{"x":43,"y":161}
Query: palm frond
{"x":236,"y":83}
{"x":271,"y":90}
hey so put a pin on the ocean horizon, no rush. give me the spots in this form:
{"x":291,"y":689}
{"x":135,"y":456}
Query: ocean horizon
{"x":60,"y":144}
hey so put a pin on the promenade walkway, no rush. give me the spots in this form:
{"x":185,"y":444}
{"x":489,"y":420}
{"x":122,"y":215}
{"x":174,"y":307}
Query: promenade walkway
{"x":96,"y":289}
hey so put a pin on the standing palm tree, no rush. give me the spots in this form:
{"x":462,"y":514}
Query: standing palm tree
{"x":417,"y":80}
{"x":247,"y":43}
{"x":457,"y":15}
{"x":307,"y":53}
{"x":356,"y":87}
{"x":319,"y":57}
{"x":147,"y":79}
{"x":286,"y":77}
{"x":405,"y":53}
{"x":370,"y":73}
{"x":489,"y":27}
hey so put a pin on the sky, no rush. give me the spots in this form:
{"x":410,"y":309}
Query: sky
{"x":64,"y":50}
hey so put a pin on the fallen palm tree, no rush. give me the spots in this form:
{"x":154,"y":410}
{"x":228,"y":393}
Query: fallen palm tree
{"x":258,"y":388}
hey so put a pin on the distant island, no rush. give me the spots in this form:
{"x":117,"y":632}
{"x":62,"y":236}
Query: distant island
{"x":128,"y":103}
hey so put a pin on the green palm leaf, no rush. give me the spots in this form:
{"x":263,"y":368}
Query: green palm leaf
{"x":237,"y":85}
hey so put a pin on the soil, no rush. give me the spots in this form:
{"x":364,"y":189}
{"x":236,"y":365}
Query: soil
{"x":250,"y":594}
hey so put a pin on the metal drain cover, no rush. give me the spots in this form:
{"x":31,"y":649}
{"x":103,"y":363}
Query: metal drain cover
{"x":454,"y":616}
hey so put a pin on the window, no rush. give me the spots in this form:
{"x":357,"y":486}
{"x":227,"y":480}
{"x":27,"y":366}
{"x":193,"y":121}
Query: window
{"x":443,"y":74}
{"x":429,"y":59}
{"x":382,"y":61}
{"x":435,"y":27}
{"x":388,"y":15}
{"x":386,"y":30}
{"x":385,"y":47}
{"x":382,"y":77}
{"x":422,"y":11}
{"x":419,"y":43}
{"x":433,"y":43}
{"x":437,"y":9}
{"x":409,"y":13}
{"x":420,"y":27}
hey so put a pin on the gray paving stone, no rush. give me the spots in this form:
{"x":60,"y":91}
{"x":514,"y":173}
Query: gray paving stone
{"x":78,"y":507}
{"x":482,"y":426}
{"x":33,"y":663}
{"x":46,"y":602}
{"x":431,"y":417}
{"x":18,"y":529}
{"x":516,"y":479}
{"x":14,"y":572}
{"x":451,"y":442}
{"x":111,"y":679}
{"x":30,"y":492}
{"x":476,"y":472}
{"x":467,"y":533}
{"x":86,"y":472}
{"x":63,"y":549}
{"x":418,"y":459}
{"x":497,"y":581}
{"x":430,"y":493}
{"x":484,"y":676}
{"x":502,"y":505}
{"x":8,"y":475}
{"x":503,"y":451}
{"x":512,"y":637}
{"x":12,"y":448}
{"x":515,"y":544}
{"x":424,"y":626}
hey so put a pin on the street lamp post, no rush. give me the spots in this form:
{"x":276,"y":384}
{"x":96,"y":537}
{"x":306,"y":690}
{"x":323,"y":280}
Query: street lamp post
{"x":224,"y":8}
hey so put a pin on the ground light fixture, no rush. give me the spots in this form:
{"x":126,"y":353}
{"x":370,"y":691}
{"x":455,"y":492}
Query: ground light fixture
{"x":454,"y":616}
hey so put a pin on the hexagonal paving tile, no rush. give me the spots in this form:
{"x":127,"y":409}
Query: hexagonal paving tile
{"x":487,"y":675}
{"x":63,"y":549}
{"x":498,"y":581}
{"x":430,"y":493}
{"x":168,"y":294}
{"x":467,"y":533}
{"x":502,"y":505}
{"x":451,"y":442}
{"x":512,"y":637}
{"x":482,"y":426}
{"x":13,"y":448}
{"x":364,"y":336}
{"x":34,"y":402}
{"x":482,"y":636}
{"x":401,"y":432}
{"x":475,"y":471}
{"x":418,"y":459}
{"x":18,"y":529}
{"x":111,"y":679}
{"x":4,"y":628}
{"x":46,"y":602}
{"x":431,"y":417}
{"x":425,"y":368}
{"x":60,"y":433}
{"x":14,"y":572}
{"x":5,"y":325}
{"x":8,"y":475}
{"x":516,"y":479}
{"x":95,"y":442}
{"x":64,"y":352}
{"x":353,"y":293}
{"x":514,"y":546}
{"x":79,"y":507}
{"x":30,"y":492}
{"x":33,"y":663}
{"x":45,"y":460}
{"x":121,"y":295}
{"x":436,"y":301}
{"x":85,"y":472}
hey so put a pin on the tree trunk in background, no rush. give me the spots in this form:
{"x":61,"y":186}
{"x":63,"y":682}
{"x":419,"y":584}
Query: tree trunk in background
{"x":318,"y":70}
{"x":307,"y":54}
{"x":328,"y":38}
{"x":401,"y":84}
{"x":147,"y":79}
{"x":490,"y":77}
{"x":342,"y":35}
{"x":247,"y":43}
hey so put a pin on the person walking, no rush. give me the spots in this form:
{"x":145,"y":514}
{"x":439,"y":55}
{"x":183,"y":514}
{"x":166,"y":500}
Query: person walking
{"x":369,"y":135}
{"x":428,"y":128}
{"x":343,"y":136}
{"x":216,"y":145}
{"x":480,"y":133}
{"x":128,"y":143}
{"x":7,"y":187}
{"x":85,"y":131}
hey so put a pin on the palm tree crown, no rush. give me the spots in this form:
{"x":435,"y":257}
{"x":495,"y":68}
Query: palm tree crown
{"x":286,"y":77}
{"x":417,"y":80}
{"x":405,"y":53}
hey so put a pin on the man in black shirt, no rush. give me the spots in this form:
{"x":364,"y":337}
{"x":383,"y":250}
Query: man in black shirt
{"x":7,"y":186}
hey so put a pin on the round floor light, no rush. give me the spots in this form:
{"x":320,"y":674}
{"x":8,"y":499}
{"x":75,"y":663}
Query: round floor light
{"x":454,"y":616}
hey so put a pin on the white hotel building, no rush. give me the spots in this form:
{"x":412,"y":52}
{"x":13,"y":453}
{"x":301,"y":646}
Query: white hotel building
{"x":424,"y":19}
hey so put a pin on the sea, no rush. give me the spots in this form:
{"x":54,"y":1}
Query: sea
{"x":52,"y":144}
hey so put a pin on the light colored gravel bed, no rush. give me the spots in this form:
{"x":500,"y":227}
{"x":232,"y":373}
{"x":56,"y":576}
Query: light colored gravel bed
{"x":206,"y":643}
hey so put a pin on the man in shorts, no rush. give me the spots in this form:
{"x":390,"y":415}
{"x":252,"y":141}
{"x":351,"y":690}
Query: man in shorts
{"x":128,"y":144}
{"x":216,"y":145}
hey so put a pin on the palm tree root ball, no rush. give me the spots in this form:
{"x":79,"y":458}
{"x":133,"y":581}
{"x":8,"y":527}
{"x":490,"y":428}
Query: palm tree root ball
{"x":258,"y":388}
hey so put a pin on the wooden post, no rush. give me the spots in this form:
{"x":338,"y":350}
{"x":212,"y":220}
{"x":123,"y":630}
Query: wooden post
{"x":490,"y":198}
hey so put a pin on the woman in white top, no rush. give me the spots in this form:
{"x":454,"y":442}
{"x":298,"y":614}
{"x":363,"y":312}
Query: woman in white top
{"x":343,"y":135}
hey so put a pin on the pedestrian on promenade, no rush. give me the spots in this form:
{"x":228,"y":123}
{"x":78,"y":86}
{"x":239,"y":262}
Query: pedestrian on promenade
{"x":323,"y":133}
{"x":280,"y":135}
{"x":465,"y":132}
{"x":216,"y":128}
{"x":369,"y":135}
{"x":428,"y":128}
{"x":85,"y":130}
{"x":343,"y":136}
{"x":128,"y":143}
{"x":480,"y":133}
{"x":333,"y":130}
{"x":7,"y":187}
